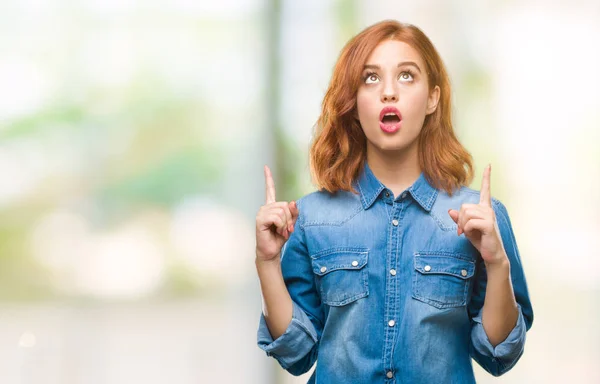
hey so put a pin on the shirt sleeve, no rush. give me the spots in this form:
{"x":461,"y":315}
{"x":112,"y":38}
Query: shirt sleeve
{"x":501,"y":358}
{"x":296,"y":349}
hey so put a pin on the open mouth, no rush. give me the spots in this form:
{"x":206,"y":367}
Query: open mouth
{"x":390,"y":119}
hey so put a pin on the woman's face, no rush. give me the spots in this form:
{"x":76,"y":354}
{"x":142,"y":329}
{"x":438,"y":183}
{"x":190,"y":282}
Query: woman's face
{"x":394,"y":98}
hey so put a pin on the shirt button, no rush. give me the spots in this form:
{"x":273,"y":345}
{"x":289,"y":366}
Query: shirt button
{"x":391,"y":323}
{"x":354,"y":263}
{"x":427,"y":268}
{"x":395,"y":222}
{"x":393,"y":272}
{"x":389,"y":374}
{"x":387,"y":194}
{"x":323,"y":269}
{"x":403,"y":195}
{"x":463,"y":272}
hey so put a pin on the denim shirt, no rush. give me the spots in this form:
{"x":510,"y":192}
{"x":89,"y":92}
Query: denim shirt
{"x":385,"y":291}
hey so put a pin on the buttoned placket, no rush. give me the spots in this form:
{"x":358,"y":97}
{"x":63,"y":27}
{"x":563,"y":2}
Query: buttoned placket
{"x":398,"y":209}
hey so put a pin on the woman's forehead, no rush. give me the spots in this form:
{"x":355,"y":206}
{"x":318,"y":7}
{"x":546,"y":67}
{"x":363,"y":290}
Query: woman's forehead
{"x":392,"y":52}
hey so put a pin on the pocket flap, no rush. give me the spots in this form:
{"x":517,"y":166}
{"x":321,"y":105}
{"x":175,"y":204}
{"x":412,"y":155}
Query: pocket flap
{"x":340,"y":259}
{"x":449,"y":265}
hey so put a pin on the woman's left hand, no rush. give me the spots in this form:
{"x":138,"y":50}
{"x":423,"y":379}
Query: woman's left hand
{"x":478,"y":223}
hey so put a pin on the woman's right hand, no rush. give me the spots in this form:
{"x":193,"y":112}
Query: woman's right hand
{"x":275,"y":222}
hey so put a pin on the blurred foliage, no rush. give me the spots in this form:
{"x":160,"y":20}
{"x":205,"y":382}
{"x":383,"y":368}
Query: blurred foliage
{"x":181,"y":281}
{"x":21,"y":277}
{"x":346,"y":14}
{"x":149,"y":151}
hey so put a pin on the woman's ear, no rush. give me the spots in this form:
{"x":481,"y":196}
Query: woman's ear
{"x":433,"y":99}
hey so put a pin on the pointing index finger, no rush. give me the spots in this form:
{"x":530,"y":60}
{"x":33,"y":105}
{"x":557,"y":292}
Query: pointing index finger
{"x":485,"y":195}
{"x":269,"y":186}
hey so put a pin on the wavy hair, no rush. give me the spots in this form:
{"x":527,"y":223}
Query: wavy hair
{"x":339,"y":147}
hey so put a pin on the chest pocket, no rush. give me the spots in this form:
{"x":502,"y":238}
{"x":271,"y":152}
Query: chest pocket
{"x":442,"y":279}
{"x":341,"y":275}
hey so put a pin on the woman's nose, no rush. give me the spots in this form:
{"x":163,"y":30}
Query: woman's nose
{"x":389,"y":94}
{"x":389,"y":97}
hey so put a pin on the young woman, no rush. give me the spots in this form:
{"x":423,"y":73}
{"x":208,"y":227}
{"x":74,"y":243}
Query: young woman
{"x":394,"y":270}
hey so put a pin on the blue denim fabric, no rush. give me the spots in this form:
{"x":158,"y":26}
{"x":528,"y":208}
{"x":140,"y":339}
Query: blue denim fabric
{"x":384,"y":291}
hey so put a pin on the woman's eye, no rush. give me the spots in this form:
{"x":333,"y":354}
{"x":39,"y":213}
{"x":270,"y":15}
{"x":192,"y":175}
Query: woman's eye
{"x":371,"y":78}
{"x":406,"y":76}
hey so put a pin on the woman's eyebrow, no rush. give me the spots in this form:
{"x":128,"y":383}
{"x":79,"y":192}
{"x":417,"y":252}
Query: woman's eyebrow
{"x":411,"y":63}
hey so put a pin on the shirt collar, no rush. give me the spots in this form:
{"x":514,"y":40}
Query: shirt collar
{"x":370,"y":188}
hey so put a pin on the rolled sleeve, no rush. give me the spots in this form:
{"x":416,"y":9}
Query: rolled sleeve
{"x":295,"y":343}
{"x":501,"y":358}
{"x":297,"y":348}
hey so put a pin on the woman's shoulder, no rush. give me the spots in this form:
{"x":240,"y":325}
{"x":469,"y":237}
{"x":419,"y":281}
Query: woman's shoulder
{"x":322,"y":207}
{"x":464,"y":195}
{"x":339,"y":198}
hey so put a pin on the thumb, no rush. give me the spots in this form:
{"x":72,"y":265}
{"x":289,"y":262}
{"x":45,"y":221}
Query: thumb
{"x":294,"y":209}
{"x":454,"y":215}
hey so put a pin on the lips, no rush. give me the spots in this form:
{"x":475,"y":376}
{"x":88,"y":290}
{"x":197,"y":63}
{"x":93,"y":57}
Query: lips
{"x":390,"y":119}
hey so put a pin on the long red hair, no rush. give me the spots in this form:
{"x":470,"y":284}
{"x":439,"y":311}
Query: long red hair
{"x":339,"y":147}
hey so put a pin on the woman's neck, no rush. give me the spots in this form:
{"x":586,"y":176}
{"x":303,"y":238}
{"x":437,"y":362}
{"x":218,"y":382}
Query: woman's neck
{"x":396,"y":170}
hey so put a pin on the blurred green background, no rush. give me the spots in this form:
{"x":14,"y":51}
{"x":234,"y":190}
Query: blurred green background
{"x":132,"y":140}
